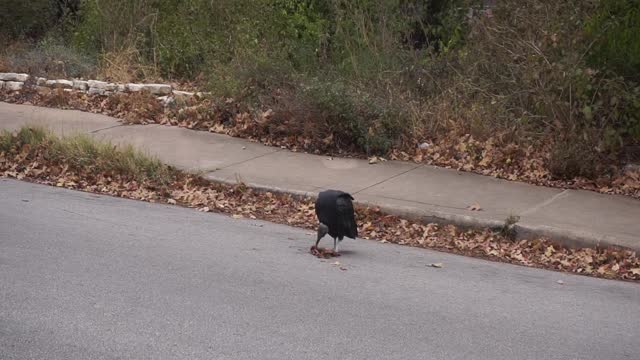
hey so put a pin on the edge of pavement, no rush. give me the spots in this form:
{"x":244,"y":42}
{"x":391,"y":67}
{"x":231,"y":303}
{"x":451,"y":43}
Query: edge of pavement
{"x":564,"y":237}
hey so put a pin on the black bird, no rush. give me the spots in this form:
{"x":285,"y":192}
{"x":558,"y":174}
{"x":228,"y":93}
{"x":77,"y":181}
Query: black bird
{"x":335,"y":213}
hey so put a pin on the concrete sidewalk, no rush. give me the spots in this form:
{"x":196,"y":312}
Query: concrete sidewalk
{"x":427,"y":192}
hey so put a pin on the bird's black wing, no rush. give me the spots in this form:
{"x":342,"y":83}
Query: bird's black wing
{"x":325,"y":207}
{"x":346,"y":215}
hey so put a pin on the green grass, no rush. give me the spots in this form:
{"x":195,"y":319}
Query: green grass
{"x":85,"y":154}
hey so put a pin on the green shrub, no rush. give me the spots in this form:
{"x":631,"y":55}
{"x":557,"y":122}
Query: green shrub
{"x":340,"y":114}
{"x":614,"y":31}
{"x":20,"y":18}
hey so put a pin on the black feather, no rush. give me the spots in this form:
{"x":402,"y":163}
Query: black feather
{"x":334,"y":208}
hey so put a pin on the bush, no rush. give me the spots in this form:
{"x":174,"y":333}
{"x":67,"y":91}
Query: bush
{"x":576,"y":157}
{"x":51,"y":58}
{"x":335,"y":113}
{"x":614,"y":96}
{"x":614,"y":31}
{"x":20,"y":18}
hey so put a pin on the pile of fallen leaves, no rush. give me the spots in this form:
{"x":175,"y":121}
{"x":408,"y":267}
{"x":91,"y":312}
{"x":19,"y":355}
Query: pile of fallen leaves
{"x":493,"y":157}
{"x":517,"y":163}
{"x":30,"y":162}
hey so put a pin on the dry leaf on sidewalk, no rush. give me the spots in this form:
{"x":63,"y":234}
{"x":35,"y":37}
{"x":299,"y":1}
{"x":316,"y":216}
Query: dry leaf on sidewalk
{"x":436,"y":265}
{"x":474,"y":207}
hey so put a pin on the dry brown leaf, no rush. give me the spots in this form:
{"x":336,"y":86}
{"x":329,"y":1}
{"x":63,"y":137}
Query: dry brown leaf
{"x":549,"y":251}
{"x":474,"y":207}
{"x":615,"y":267}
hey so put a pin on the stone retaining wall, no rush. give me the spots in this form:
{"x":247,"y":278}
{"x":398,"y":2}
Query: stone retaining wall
{"x":16,"y":82}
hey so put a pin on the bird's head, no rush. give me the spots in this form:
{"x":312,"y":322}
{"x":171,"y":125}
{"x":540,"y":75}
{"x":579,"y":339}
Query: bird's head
{"x":322,"y":230}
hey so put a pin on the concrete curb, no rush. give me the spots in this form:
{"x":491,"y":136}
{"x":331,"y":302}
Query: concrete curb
{"x":568,"y":238}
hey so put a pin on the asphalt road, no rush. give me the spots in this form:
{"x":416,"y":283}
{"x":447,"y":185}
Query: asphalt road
{"x":93,"y":277}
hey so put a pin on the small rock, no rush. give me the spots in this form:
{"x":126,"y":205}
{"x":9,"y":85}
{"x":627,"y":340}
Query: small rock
{"x":436,"y":265}
{"x":95,"y":84}
{"x":14,"y":77}
{"x":182,"y":94}
{"x":96,"y":91}
{"x":134,"y":87}
{"x":64,"y":84}
{"x":13,"y":85}
{"x":166,"y":100}
{"x":158,"y":89}
{"x":43,"y":90}
{"x":560,"y":282}
{"x":41,"y":81}
{"x":80,"y":85}
{"x":424,"y":145}
{"x":200,"y":94}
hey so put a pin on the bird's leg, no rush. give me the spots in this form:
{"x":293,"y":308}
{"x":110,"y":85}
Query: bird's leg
{"x":322,"y":231}
{"x":335,"y":246}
